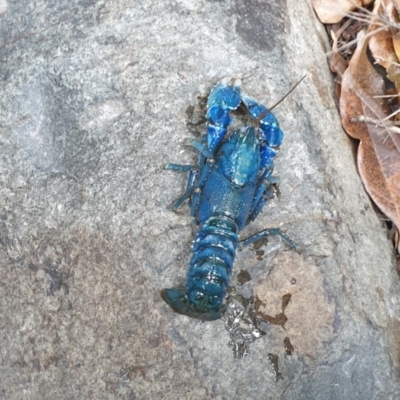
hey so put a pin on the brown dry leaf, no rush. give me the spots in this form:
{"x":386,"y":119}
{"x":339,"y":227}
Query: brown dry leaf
{"x":381,"y":43}
{"x":396,"y":44}
{"x":393,"y":73}
{"x":381,"y":46}
{"x":379,"y":150}
{"x":332,"y":11}
{"x":337,"y":63}
{"x":391,"y":7}
{"x":396,"y":4}
{"x":394,"y":69}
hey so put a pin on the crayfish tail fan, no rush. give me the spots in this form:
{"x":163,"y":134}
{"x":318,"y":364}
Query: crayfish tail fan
{"x":177,"y":300}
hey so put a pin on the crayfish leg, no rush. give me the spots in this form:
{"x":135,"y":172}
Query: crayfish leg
{"x":190,"y":186}
{"x":178,"y":167}
{"x":264,"y":234}
{"x":264,"y":191}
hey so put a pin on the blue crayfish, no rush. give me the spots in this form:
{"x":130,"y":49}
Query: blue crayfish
{"x":227,"y":191}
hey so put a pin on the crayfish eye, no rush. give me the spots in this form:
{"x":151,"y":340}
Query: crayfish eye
{"x":199,"y":296}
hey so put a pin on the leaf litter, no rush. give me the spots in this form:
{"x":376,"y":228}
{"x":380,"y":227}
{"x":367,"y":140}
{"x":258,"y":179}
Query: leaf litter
{"x":365,"y":56}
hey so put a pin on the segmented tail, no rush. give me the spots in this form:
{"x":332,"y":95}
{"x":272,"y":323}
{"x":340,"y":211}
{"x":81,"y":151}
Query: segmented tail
{"x":216,"y":242}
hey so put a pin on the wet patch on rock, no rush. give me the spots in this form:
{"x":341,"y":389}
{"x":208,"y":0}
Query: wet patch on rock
{"x":309,"y":316}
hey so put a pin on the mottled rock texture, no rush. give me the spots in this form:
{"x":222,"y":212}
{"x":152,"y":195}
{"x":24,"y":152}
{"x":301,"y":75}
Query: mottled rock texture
{"x":93,"y":101}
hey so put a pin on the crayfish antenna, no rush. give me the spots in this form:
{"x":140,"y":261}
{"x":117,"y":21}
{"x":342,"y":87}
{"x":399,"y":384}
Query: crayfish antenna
{"x":266,"y":112}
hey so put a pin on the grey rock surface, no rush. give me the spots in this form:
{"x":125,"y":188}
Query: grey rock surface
{"x":93,"y":101}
